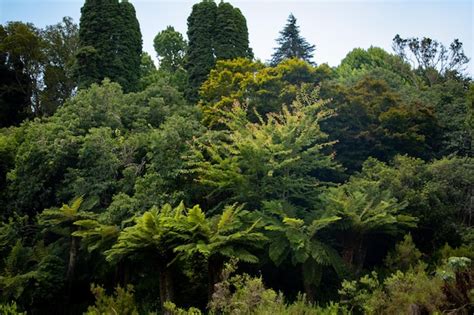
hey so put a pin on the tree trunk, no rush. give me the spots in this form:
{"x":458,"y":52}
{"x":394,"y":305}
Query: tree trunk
{"x":311,"y":274}
{"x":354,"y":251}
{"x":71,"y":269}
{"x":122,"y":272}
{"x":309,"y":291}
{"x":166,"y":285}
{"x":214,"y":267}
{"x":360,"y":256}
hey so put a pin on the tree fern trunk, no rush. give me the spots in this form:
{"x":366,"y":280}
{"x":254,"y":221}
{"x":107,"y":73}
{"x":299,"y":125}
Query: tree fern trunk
{"x":215,"y":267}
{"x":309,"y":291}
{"x":71,"y":268}
{"x":351,"y":252}
{"x":166,"y":285}
{"x":72,"y":260}
{"x":360,"y":257}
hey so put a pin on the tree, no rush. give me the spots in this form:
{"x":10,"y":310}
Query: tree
{"x":22,"y":57}
{"x":298,"y":240}
{"x":214,"y":32}
{"x":437,"y":193}
{"x":64,"y":218}
{"x":374,"y":120}
{"x":129,"y":47}
{"x":170,"y":48}
{"x":431,"y":57}
{"x":264,"y":89}
{"x":217,"y":239}
{"x":61,"y":46}
{"x":377,"y":62}
{"x":152,"y":234}
{"x":200,"y":57}
{"x":291,"y":44}
{"x":110,"y":44}
{"x":365,"y":209}
{"x":283,"y":156}
{"x":231,"y":38}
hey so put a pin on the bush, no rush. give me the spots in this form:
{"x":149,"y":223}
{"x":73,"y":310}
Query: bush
{"x":10,"y":309}
{"x":413,"y":291}
{"x":243,"y":294}
{"x":121,"y":302}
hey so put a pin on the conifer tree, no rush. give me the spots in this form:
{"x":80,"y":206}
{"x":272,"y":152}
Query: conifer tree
{"x":291,"y":44}
{"x":110,"y":44}
{"x":231,"y":33}
{"x":130,"y":46}
{"x":201,"y":24}
{"x":214,"y":32}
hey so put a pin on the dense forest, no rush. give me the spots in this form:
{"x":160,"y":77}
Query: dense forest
{"x":217,"y":183}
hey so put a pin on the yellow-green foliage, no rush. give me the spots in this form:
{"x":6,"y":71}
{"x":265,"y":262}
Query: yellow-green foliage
{"x":243,"y":294}
{"x":10,"y":309}
{"x":401,"y":293}
{"x":404,"y":256}
{"x":268,"y":159}
{"x":121,"y":302}
{"x":264,"y":88}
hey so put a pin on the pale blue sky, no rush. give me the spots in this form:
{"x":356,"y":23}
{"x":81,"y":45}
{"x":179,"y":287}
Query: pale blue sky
{"x":335,"y":27}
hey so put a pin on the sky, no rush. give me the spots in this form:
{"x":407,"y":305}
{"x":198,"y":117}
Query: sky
{"x":335,"y":27}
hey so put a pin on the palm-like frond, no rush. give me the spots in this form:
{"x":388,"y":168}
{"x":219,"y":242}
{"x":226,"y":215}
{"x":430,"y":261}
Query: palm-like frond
{"x":366,"y":208}
{"x":298,"y":239}
{"x":61,"y":221}
{"x":95,"y":235}
{"x":227,"y":234}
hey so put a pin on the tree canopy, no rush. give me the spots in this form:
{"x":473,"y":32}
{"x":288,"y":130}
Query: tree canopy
{"x":209,"y":182}
{"x":291,"y":44}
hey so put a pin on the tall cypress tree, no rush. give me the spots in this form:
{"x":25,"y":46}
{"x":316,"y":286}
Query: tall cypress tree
{"x":291,"y":44}
{"x":231,"y":38}
{"x":110,"y":42}
{"x":130,"y":46}
{"x":214,"y":32}
{"x":201,"y":25}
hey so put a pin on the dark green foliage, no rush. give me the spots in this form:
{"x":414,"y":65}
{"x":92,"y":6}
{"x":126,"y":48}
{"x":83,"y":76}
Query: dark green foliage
{"x":373,"y":120}
{"x":129,"y":47}
{"x":214,"y":32}
{"x":110,"y":44}
{"x":231,"y":38}
{"x":93,"y":190}
{"x":62,"y":44}
{"x":21,"y":56}
{"x":437,"y":193}
{"x":405,"y":255}
{"x":200,"y":56}
{"x":291,"y":44}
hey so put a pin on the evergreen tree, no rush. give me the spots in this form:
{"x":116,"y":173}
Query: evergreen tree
{"x":170,"y":48}
{"x":291,"y":44}
{"x":110,"y":42}
{"x":231,"y":33}
{"x":201,"y":25}
{"x":129,"y":47}
{"x":214,"y":32}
